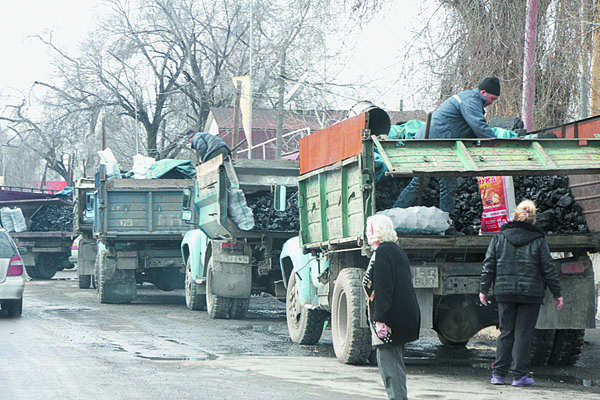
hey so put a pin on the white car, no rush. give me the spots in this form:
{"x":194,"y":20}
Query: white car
{"x":12,"y":276}
{"x":75,"y":251}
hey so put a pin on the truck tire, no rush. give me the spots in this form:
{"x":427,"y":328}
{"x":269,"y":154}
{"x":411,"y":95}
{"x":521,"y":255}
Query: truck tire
{"x":113,"y":285}
{"x":457,"y":319}
{"x":567,"y":346}
{"x":217,"y":306}
{"x":239,"y":308}
{"x":85,"y":281}
{"x":304,"y":325}
{"x":14,"y":308}
{"x":194,"y":299}
{"x":351,"y":342}
{"x":541,"y":347}
{"x":449,"y":342}
{"x":32,"y":272}
{"x":45,"y":266}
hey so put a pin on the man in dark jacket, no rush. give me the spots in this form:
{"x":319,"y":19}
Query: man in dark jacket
{"x":519,"y":265}
{"x":208,"y":146}
{"x":460,"y":116}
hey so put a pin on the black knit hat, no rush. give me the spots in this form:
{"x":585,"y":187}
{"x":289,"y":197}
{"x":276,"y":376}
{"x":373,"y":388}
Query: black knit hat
{"x":490,"y":85}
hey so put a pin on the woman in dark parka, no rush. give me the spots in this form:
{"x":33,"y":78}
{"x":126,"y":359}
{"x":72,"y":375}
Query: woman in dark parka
{"x":519,"y":265}
{"x":393,"y":307}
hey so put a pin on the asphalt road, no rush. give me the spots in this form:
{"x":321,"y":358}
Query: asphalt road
{"x":68,"y":346}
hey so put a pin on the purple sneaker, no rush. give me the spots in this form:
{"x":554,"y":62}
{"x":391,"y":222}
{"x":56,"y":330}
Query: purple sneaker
{"x":525,"y":381}
{"x":497,"y":380}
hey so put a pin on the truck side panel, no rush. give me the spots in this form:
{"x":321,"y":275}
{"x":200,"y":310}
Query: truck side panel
{"x":333,"y":204}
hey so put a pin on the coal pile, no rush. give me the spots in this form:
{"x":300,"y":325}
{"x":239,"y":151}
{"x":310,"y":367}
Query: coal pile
{"x":266,"y":218}
{"x":52,"y":218}
{"x":557,"y":210}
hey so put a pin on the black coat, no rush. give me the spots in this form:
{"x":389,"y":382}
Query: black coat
{"x":394,"y":301}
{"x":519,"y":265}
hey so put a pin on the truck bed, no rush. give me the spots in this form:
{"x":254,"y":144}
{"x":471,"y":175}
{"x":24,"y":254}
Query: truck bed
{"x":215,"y":177}
{"x":146,"y":209}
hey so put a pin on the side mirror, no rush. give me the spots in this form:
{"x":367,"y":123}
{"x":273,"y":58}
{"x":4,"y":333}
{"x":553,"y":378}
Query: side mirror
{"x":279,"y":199}
{"x":89,"y":200}
{"x":186,"y":213}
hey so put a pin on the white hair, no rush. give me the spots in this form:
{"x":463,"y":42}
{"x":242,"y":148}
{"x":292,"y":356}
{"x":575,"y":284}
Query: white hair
{"x":380,"y":228}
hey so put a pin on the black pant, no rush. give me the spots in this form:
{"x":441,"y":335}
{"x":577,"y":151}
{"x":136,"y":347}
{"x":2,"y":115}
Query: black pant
{"x":517,"y":328}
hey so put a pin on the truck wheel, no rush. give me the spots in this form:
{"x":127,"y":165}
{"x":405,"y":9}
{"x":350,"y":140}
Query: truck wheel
{"x":15,"y":308}
{"x":351,"y":343}
{"x":239,"y":308}
{"x":449,"y":342}
{"x":194,"y":299}
{"x":304,"y":325}
{"x":541,"y":346}
{"x":217,"y":306}
{"x":567,"y":346}
{"x":114,"y":285}
{"x":84,"y":281}
{"x":457,"y":319}
{"x":32,"y":272}
{"x":45,"y":266}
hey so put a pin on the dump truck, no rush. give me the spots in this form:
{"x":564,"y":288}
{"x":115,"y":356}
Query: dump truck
{"x":226,"y":264}
{"x":83,"y":226}
{"x":43,"y":252}
{"x":138,"y":229}
{"x":324,"y":266}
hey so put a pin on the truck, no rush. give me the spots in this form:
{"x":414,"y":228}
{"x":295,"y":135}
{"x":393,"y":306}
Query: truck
{"x":83,"y":226}
{"x":43,"y":252}
{"x":138,"y":230}
{"x":324,"y":266}
{"x":226,"y":264}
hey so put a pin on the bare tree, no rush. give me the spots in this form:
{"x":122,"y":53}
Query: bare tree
{"x":476,"y":38}
{"x":161,"y":64}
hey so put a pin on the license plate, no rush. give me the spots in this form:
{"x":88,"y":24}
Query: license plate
{"x":228,"y":258}
{"x":425,"y":277}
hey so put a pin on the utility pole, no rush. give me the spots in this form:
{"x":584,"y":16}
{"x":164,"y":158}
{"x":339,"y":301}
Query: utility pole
{"x":249,"y":136}
{"x":279,"y":137}
{"x":529,"y":64}
{"x":236,"y":114}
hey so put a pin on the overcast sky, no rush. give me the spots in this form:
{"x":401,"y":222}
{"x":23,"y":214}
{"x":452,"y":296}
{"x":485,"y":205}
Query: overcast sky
{"x":25,"y":58}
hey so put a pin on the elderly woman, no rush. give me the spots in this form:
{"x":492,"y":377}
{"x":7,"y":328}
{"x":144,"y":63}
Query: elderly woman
{"x":393,"y":308}
{"x":519,"y":265}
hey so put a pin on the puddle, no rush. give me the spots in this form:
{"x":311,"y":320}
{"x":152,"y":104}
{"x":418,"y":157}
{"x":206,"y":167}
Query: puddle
{"x":262,"y":328}
{"x":64,"y":310}
{"x":198,"y":357}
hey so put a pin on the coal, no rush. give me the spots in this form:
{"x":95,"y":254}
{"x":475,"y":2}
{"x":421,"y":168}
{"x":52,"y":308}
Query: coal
{"x":52,"y":218}
{"x":558,"y":213}
{"x":266,"y":218}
